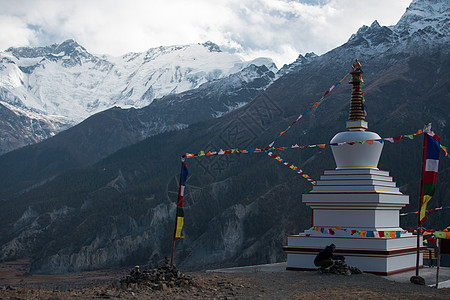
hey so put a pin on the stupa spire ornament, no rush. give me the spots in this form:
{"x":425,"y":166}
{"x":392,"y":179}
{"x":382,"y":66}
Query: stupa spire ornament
{"x":356,"y":120}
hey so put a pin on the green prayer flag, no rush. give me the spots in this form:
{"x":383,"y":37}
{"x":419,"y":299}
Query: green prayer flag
{"x":440,"y":234}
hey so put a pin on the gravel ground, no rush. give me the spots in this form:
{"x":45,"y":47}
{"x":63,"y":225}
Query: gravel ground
{"x":254,"y":285}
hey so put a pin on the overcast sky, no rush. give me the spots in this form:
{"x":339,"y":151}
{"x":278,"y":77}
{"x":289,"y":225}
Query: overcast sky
{"x":280,"y":29}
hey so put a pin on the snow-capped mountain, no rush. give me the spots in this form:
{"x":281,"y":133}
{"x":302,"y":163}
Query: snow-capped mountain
{"x":68,"y":82}
{"x":424,"y":25}
{"x":62,"y":84}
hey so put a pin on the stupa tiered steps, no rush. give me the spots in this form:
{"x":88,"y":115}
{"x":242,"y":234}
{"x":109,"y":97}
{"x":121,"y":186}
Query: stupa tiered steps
{"x":355,"y":200}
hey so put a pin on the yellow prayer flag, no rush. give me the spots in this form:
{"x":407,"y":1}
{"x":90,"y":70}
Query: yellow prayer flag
{"x":180,"y":222}
{"x":423,"y":209}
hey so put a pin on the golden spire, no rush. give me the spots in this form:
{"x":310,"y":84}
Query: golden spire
{"x":356,"y":117}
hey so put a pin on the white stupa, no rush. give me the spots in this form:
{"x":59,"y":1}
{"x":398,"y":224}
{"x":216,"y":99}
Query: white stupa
{"x":356,"y":206}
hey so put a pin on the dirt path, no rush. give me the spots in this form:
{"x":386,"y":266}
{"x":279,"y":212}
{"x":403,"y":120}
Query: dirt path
{"x":16,"y":273}
{"x":16,"y":284}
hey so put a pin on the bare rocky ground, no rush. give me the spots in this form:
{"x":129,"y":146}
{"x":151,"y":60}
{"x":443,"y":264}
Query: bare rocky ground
{"x":16,"y":283}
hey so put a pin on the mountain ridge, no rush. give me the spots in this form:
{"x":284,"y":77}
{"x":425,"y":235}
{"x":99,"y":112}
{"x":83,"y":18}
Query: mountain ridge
{"x":87,"y":84}
{"x":106,"y":132}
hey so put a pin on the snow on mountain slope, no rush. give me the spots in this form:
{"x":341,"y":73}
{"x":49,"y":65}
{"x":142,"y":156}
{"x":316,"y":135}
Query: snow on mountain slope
{"x":426,"y":15}
{"x":66,"y":82}
{"x":424,"y":25}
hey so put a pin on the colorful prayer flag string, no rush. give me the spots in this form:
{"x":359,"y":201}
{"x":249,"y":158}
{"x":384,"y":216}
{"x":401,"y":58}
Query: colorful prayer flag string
{"x":292,"y":167}
{"x":428,"y":210}
{"x":306,"y":111}
{"x":322,"y":146}
{"x":361,"y":233}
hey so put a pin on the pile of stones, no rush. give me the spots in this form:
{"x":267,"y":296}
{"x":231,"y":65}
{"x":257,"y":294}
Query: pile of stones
{"x":165,"y":277}
{"x":340,"y":267}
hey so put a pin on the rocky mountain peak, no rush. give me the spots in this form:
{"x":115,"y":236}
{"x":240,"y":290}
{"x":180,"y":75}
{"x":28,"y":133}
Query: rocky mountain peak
{"x":298,"y":62}
{"x":31,"y":52}
{"x":424,"y":24}
{"x":375,"y":24}
{"x":70,"y":53}
{"x":212,"y":47}
{"x":70,"y":47}
{"x":424,"y":13}
{"x":310,"y":55}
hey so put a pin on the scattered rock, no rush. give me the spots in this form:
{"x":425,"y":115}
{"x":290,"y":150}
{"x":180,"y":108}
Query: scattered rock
{"x":417,"y":280}
{"x":103,"y":295}
{"x":161,"y":279}
{"x":341,"y":268}
{"x":116,"y":283}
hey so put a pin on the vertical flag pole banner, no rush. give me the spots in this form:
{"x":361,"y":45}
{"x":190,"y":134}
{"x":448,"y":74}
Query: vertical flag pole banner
{"x":179,"y":221}
{"x":430,"y":171}
{"x":430,"y":163}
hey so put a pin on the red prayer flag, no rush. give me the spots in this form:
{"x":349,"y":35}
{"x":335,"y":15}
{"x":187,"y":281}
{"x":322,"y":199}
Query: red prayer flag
{"x":430,"y":165}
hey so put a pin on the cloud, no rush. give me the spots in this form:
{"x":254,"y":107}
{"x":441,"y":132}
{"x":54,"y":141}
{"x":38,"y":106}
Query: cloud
{"x":277,"y":26}
{"x":280,"y":29}
{"x":14,"y":32}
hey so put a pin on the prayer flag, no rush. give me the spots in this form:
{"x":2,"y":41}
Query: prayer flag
{"x":442,"y":234}
{"x":180,"y":211}
{"x":445,"y":150}
{"x":429,"y":175}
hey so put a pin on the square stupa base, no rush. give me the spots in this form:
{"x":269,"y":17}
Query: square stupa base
{"x":380,"y":256}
